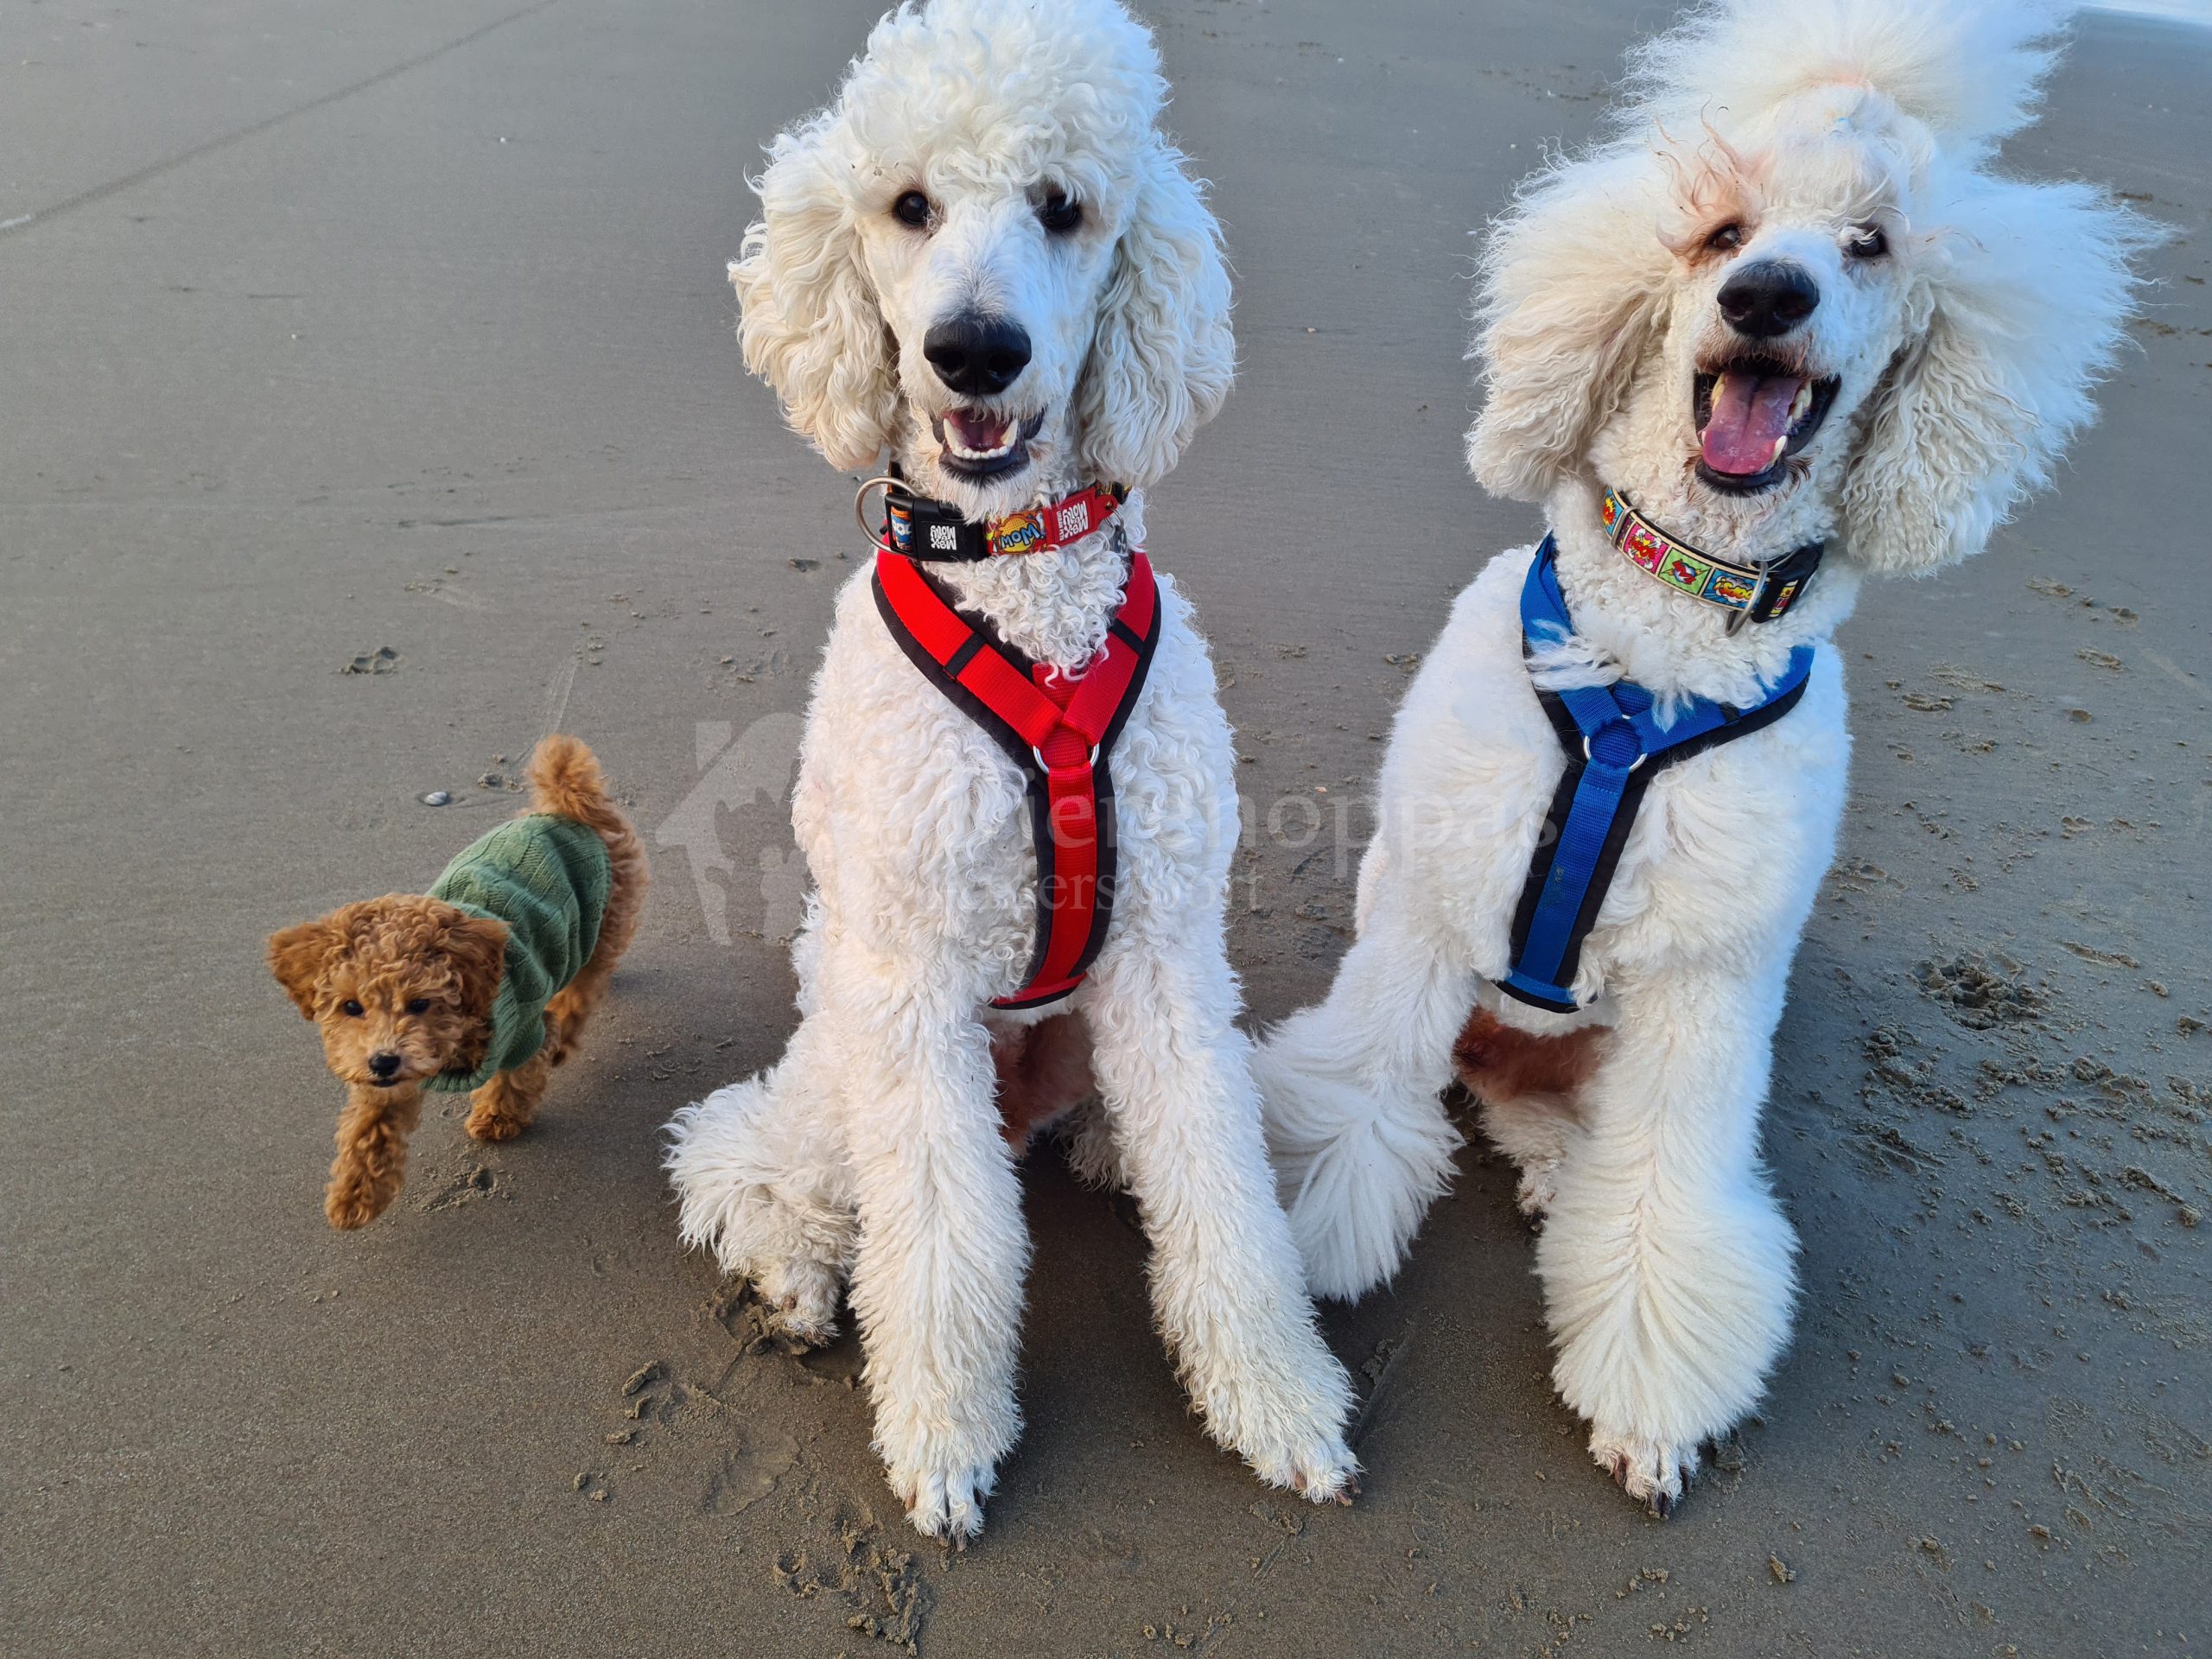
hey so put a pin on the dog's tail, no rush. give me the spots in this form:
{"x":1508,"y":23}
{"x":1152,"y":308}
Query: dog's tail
{"x":565,"y":780}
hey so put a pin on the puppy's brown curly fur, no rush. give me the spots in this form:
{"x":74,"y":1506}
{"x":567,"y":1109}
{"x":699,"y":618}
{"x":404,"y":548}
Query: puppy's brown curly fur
{"x":1496,"y":1062}
{"x":410,"y":975}
{"x":1043,"y":1071}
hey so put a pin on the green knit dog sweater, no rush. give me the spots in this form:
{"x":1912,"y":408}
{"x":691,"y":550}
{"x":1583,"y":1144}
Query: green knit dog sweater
{"x":546,"y":878}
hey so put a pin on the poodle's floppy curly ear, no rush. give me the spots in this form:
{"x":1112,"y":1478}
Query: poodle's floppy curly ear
{"x":1163,"y":355}
{"x":808,"y":322}
{"x":1572,"y":287}
{"x":297,"y":956}
{"x":2028,"y":288}
{"x":476,"y":948}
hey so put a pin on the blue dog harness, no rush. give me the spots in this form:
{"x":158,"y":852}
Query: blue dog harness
{"x":1615,"y":746}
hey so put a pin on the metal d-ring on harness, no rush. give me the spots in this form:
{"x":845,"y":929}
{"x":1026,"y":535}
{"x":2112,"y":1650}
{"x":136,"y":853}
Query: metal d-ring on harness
{"x":1058,"y":729}
{"x":1615,"y":746}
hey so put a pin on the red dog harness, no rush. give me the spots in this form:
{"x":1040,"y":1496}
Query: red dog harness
{"x":1059,"y":729}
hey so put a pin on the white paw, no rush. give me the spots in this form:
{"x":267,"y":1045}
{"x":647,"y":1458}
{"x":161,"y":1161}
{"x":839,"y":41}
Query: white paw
{"x":798,"y":1299}
{"x":1320,"y":1468}
{"x":945,"y":1503}
{"x":722,"y":1189}
{"x":1656,"y":1473}
{"x":1280,"y":1404}
{"x":1537,"y":1189}
{"x":1355,"y":1174}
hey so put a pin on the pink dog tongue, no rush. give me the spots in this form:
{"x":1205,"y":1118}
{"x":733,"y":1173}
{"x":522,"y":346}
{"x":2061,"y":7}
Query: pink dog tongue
{"x":1749,"y":412}
{"x":977,"y":432}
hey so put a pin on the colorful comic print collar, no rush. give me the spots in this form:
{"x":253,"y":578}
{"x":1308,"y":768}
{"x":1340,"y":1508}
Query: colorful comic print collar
{"x":1750,"y":593}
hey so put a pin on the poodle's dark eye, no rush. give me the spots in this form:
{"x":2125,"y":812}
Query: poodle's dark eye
{"x":350,"y":1008}
{"x":1728,"y":235}
{"x":912,"y":208}
{"x":1866,"y":242}
{"x":419,"y":1005}
{"x":1060,"y":214}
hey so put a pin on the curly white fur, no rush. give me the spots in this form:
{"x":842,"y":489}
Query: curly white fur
{"x":873,"y":1149}
{"x":1963,"y":362}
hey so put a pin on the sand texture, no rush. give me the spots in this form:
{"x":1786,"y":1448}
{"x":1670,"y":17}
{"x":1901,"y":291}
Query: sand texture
{"x":371,"y":407}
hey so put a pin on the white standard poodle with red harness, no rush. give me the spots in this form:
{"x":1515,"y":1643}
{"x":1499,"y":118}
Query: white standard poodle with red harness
{"x":1789,"y":326}
{"x":1016,"y":792}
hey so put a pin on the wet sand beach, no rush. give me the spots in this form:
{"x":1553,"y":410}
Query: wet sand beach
{"x":373,"y":409}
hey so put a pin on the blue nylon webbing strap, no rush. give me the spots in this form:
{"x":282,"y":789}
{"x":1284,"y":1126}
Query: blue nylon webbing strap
{"x":1622,"y":742}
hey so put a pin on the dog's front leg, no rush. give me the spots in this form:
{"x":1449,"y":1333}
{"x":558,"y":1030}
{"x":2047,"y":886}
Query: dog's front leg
{"x":937,"y":1274}
{"x":1361,"y":1142}
{"x":1227,"y":1284}
{"x":1666,"y":1261}
{"x":759,"y":1172}
{"x":371,"y":1160}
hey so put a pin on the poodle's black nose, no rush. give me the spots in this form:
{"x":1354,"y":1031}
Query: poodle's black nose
{"x":383,"y":1064}
{"x":978,"y":355}
{"x":1767,"y":299}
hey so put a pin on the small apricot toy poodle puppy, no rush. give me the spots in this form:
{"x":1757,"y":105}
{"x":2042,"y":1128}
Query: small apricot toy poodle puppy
{"x":483,"y":984}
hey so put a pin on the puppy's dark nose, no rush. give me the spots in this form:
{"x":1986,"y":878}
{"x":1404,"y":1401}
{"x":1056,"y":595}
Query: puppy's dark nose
{"x":1767,"y":299}
{"x":977,"y":355}
{"x":383,"y":1064}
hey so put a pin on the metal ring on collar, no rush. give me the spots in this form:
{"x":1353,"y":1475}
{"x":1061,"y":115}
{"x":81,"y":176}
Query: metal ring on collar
{"x":1735,"y":623}
{"x":889,"y":484}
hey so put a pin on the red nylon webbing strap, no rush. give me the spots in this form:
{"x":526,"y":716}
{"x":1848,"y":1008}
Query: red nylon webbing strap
{"x":1060,"y":729}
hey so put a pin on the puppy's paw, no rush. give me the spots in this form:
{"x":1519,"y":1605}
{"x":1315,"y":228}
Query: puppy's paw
{"x":945,"y":1503}
{"x":564,"y":1026}
{"x":798,"y":1299}
{"x":354,"y":1200}
{"x":1656,"y":1473}
{"x":940,"y":1452}
{"x":487,"y":1123}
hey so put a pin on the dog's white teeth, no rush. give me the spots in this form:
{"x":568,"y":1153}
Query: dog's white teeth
{"x":1780,"y":444}
{"x":1800,"y":403}
{"x":1719,"y":390}
{"x":953,"y":444}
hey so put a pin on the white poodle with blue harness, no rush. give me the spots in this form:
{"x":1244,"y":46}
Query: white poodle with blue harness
{"x":1789,"y":326}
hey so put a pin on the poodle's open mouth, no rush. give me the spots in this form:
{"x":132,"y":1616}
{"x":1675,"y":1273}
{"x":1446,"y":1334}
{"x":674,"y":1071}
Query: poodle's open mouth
{"x":1753,"y":415}
{"x":980,"y":445}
